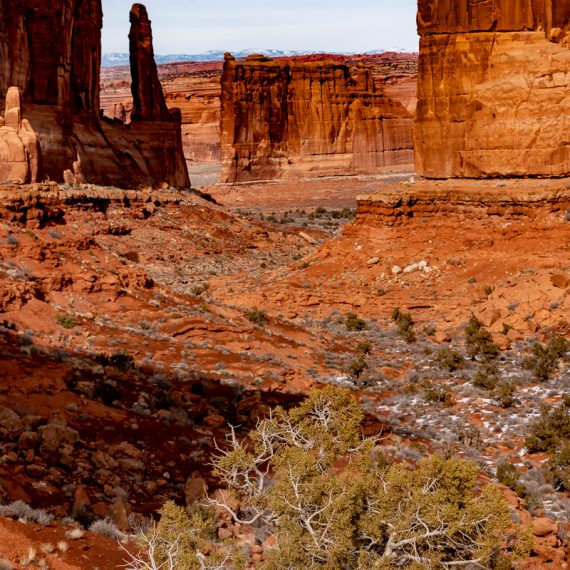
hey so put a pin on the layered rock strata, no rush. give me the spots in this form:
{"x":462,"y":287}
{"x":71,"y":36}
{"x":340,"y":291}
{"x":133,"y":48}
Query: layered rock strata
{"x":493,"y":85}
{"x":59,"y":86}
{"x":287,"y":119}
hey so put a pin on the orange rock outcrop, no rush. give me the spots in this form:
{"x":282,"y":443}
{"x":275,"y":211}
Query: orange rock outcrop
{"x":51,"y":52}
{"x":493,"y":85}
{"x":288,"y":119}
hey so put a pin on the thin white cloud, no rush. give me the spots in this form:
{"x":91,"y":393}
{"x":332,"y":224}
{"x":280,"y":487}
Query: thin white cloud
{"x":195,"y":26}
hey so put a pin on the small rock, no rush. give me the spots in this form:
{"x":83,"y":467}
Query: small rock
{"x":195,"y":490}
{"x":544,"y":527}
{"x":81,"y":502}
{"x":307,"y":238}
{"x":560,"y":280}
{"x":396,"y":269}
{"x":373,"y":261}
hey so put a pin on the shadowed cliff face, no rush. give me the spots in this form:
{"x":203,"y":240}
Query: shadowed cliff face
{"x":50,"y":50}
{"x":289,"y":119}
{"x":492,"y":88}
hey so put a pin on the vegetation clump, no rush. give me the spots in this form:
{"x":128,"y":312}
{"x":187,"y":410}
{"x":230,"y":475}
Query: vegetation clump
{"x":257,"y":316}
{"x":405,"y":324}
{"x":545,"y":359}
{"x":449,"y":359}
{"x":479,"y":341}
{"x":286,"y":482}
{"x":354,"y":324}
{"x":66,"y":321}
{"x":552,"y":429}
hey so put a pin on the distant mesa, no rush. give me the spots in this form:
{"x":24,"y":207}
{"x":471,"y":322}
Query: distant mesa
{"x":53,"y":129}
{"x":291,"y":118}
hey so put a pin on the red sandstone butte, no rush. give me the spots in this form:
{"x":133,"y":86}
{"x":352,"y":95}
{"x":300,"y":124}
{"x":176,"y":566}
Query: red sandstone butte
{"x":493,"y":88}
{"x":283,"y":119}
{"x":50,"y":50}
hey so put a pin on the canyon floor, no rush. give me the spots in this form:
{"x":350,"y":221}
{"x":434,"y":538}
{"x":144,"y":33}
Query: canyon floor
{"x":137,"y":326}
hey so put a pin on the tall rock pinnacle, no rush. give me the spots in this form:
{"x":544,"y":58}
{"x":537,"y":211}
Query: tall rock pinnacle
{"x":148,"y":98}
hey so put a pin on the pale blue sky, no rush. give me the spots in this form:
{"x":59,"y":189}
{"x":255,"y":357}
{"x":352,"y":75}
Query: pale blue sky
{"x":195,"y":26}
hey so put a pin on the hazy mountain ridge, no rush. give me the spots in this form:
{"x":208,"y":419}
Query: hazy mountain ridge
{"x":120,"y":59}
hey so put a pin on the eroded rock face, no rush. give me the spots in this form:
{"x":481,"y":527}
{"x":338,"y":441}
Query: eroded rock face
{"x":51,"y":51}
{"x":286,"y":119}
{"x":492,"y":89}
{"x":19,"y":151}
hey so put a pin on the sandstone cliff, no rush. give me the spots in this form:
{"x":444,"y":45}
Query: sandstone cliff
{"x":287,"y":119}
{"x":493,"y":85}
{"x":51,"y":51}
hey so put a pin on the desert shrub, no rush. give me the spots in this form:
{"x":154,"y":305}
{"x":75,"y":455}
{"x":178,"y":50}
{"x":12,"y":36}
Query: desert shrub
{"x":558,"y":467}
{"x":358,"y":366}
{"x":107,"y":528}
{"x":504,"y":394}
{"x":121,"y":360}
{"x":437,"y":394}
{"x":551,"y":430}
{"x":107,"y":392}
{"x":487,"y":377}
{"x":479,"y":341}
{"x":284,"y":481}
{"x":544,"y":360}
{"x":354,"y":324}
{"x":66,"y":321}
{"x":256,"y":316}
{"x":448,"y":359}
{"x":22,"y":511}
{"x":364,"y":348}
{"x":508,"y":475}
{"x":181,"y":541}
{"x":405,"y":324}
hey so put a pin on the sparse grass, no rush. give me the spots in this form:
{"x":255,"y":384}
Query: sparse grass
{"x":31,"y":557}
{"x":62,"y":546}
{"x":47,"y":548}
{"x":75,"y":533}
{"x":107,"y":528}
{"x":6,"y":564}
{"x":26,"y":514}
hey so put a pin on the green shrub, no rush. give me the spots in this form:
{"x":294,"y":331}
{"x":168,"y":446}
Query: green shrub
{"x":437,"y":394}
{"x":354,"y":324}
{"x":487,"y":377}
{"x":544,"y":359}
{"x":257,"y":316}
{"x":66,"y":321}
{"x":364,"y":348}
{"x":405,"y":324}
{"x":551,"y":430}
{"x":508,"y":475}
{"x":449,"y":360}
{"x":504,"y":393}
{"x":358,"y":366}
{"x":558,"y":468}
{"x":479,"y":341}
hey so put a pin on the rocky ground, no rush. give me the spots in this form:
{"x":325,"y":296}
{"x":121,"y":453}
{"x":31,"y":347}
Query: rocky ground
{"x":137,"y":326}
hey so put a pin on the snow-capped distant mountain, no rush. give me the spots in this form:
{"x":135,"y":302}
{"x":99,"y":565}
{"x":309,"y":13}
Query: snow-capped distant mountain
{"x":119,"y":59}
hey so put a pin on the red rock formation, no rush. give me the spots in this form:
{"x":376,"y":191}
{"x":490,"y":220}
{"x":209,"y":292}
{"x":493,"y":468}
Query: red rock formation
{"x":148,"y":98}
{"x":287,"y":119}
{"x":492,"y":89}
{"x":51,"y":51}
